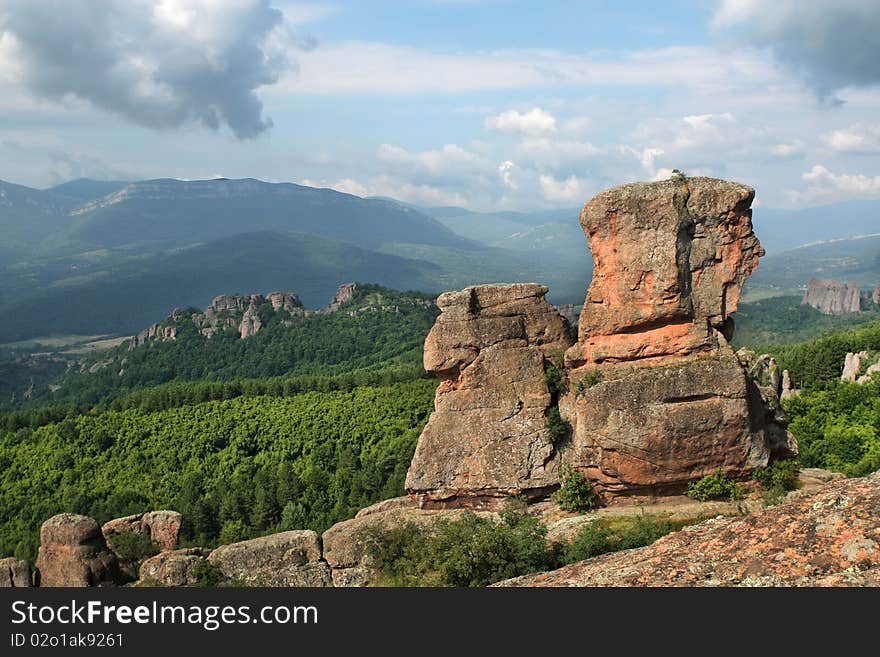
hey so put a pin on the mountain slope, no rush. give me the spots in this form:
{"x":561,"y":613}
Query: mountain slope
{"x":781,"y":230}
{"x":175,"y":212}
{"x":127,"y":297}
{"x":855,"y":259}
{"x":86,"y":189}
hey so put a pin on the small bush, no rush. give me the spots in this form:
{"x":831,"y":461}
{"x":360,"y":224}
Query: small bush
{"x":777,"y":479}
{"x":715,"y":486}
{"x":471,"y":551}
{"x":600,"y":537}
{"x":591,"y":541}
{"x":133,"y":546}
{"x":207,"y":574}
{"x":553,"y":377}
{"x":556,"y":426}
{"x":779,"y":474}
{"x":587,"y":381}
{"x":576,"y":493}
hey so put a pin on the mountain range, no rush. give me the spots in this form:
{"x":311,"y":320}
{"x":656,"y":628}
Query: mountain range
{"x":130,"y":251}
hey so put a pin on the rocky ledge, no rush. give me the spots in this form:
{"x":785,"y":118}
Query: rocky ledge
{"x":831,"y":538}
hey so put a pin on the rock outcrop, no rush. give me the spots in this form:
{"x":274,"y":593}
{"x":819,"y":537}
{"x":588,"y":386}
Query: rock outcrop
{"x":855,"y":369}
{"x":227,"y":311}
{"x":656,"y":396}
{"x":172,"y":568}
{"x":346,"y":544}
{"x":161,"y":527}
{"x":652,"y":392}
{"x":876,"y":296}
{"x":670,"y":260}
{"x":15,"y":573}
{"x":831,"y":538}
{"x":787,"y":390}
{"x":488,"y":438}
{"x":287,"y":559}
{"x":73,"y":552}
{"x":833,"y":297}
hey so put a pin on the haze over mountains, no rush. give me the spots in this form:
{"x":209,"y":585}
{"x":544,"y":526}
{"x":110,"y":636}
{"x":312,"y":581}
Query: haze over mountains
{"x":130,"y":252}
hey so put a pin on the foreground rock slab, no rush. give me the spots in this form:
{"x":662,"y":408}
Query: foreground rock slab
{"x":831,"y":538}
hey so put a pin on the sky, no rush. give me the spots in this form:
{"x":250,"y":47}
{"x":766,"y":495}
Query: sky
{"x":488,"y":104}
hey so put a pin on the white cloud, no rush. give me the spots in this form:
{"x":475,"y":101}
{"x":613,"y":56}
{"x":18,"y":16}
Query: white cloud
{"x":451,"y":163}
{"x":794,"y":148}
{"x":570,"y":190}
{"x":826,"y":185}
{"x":576,"y":126}
{"x":533,"y":123}
{"x":858,"y":138}
{"x":369,"y":67}
{"x":506,"y":172}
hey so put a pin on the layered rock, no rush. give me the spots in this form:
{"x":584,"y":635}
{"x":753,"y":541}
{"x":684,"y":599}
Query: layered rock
{"x":833,"y":297}
{"x":15,"y":573}
{"x":73,"y":552}
{"x":287,"y":559}
{"x":831,"y":538}
{"x":488,"y":436}
{"x":656,"y":396}
{"x":172,"y":568}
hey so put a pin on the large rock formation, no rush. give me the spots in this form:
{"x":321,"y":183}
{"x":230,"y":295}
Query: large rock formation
{"x":653,"y":393}
{"x":73,"y":552}
{"x":833,"y":297}
{"x":287,"y":559}
{"x":831,"y":538}
{"x":488,"y":436}
{"x":656,"y":396}
{"x":876,"y":296}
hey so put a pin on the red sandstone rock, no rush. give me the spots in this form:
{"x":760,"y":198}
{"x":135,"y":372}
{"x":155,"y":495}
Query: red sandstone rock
{"x":73,"y":553}
{"x":670,"y":259}
{"x":487,"y":437}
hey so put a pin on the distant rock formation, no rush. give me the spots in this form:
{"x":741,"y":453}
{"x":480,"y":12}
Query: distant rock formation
{"x":787,"y":390}
{"x":567,"y":311}
{"x":876,"y":296}
{"x":831,"y":538}
{"x":853,"y":365}
{"x":656,"y":396}
{"x":833,"y":297}
{"x":488,"y":438}
{"x":73,"y":552}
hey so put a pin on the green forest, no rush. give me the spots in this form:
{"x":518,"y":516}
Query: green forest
{"x":302,"y":424}
{"x":235,"y":469}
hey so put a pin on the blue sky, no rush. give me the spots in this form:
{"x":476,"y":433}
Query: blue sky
{"x":490,"y":104}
